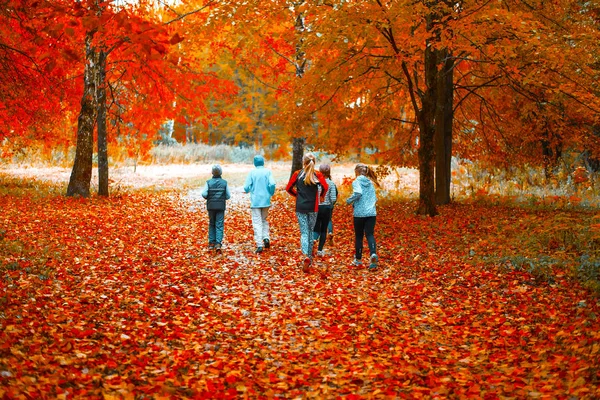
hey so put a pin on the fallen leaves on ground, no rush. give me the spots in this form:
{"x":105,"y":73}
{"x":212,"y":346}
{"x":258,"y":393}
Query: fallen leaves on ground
{"x":120,"y":298}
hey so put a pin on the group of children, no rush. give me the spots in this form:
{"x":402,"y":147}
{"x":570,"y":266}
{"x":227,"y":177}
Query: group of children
{"x":315,"y":194}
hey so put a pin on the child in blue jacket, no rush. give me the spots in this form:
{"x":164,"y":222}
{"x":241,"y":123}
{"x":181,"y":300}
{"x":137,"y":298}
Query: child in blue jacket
{"x":261,"y":186}
{"x":364,"y":200}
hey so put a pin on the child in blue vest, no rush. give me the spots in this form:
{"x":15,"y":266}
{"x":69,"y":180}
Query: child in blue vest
{"x":216,"y":192}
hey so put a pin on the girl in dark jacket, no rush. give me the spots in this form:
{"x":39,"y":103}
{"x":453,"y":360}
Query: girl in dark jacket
{"x":307,"y":186}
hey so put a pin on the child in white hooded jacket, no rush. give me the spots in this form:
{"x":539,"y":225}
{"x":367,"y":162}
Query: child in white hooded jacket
{"x":261,"y":186}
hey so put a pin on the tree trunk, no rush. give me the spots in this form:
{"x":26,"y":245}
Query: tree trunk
{"x":81,"y":175}
{"x":102,"y":134}
{"x":443,"y":128}
{"x":297,"y":154}
{"x":300,"y":63}
{"x":426,"y":153}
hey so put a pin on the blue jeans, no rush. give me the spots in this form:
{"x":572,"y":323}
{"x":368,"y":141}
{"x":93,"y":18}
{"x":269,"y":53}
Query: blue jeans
{"x":216,"y":223}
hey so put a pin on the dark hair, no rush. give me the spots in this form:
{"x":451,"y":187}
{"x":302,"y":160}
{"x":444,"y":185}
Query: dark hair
{"x":367,"y":171}
{"x":325,"y":169}
{"x":216,"y":170}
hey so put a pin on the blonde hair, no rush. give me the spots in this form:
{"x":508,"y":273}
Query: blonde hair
{"x":362,"y":169}
{"x":308,"y":168}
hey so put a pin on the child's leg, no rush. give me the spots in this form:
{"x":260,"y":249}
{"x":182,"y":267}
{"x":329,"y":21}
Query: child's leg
{"x":317,"y":229}
{"x":211,"y":227}
{"x":264,"y":213}
{"x":370,"y":233}
{"x":359,"y":232}
{"x":219,"y":226}
{"x":257,"y":226}
{"x":325,"y":217}
{"x":307,"y":223}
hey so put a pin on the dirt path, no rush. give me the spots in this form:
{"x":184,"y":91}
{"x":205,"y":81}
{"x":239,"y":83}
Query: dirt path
{"x":176,"y":176}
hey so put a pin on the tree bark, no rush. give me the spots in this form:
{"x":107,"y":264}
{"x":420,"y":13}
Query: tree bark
{"x":443,"y":128}
{"x":297,"y":154}
{"x":300,"y":63}
{"x":102,"y":134}
{"x":426,"y":152}
{"x":81,"y":174}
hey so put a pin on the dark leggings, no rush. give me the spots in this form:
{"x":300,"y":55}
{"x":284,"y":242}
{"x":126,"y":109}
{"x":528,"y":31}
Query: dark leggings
{"x":323,"y":219}
{"x":364,"y":226}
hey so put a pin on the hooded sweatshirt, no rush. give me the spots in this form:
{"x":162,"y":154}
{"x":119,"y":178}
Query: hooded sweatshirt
{"x":260,"y":184}
{"x":363,"y":197}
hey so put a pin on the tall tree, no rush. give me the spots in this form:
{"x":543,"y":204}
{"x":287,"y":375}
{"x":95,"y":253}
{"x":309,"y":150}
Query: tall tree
{"x":81,"y":174}
{"x":499,"y":51}
{"x":102,"y":129}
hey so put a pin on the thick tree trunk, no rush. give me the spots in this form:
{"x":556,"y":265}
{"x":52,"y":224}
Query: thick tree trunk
{"x":102,"y":134}
{"x":426,"y":153}
{"x":81,"y":175}
{"x":297,"y":154}
{"x":443,"y":129}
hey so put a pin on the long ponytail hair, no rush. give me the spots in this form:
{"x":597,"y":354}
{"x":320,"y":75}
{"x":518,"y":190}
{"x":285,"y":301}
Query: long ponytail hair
{"x":308,"y":168}
{"x":362,"y":169}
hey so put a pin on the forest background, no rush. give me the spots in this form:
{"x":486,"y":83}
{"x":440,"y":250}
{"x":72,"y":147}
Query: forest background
{"x":482,"y":119}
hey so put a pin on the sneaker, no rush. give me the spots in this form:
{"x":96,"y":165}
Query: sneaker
{"x":374,"y":260}
{"x":211,"y":246}
{"x":321,"y":253}
{"x":267,"y":243}
{"x":258,"y":250}
{"x":357,"y":263}
{"x":306,"y":264}
{"x":218,"y":247}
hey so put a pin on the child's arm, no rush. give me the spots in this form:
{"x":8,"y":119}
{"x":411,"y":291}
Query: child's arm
{"x":205,"y":191}
{"x":333,"y":194}
{"x":290,"y":186}
{"x":227,"y":193}
{"x":356,"y":193}
{"x":271,"y":187}
{"x":248,"y":185}
{"x":324,"y":185}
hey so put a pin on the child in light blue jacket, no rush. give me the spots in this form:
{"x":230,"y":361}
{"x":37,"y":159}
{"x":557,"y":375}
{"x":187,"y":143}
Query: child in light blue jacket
{"x":364,"y":200}
{"x":261,"y":186}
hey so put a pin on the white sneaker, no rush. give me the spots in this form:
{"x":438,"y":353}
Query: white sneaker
{"x":374,"y":260}
{"x":357,"y":263}
{"x":321,"y":253}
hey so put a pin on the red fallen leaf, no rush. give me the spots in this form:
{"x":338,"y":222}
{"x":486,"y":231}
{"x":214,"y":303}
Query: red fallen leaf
{"x":354,"y":396}
{"x":241,"y":326}
{"x":80,"y":334}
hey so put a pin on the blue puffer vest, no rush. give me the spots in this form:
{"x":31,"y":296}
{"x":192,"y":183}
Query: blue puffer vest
{"x":216,"y":194}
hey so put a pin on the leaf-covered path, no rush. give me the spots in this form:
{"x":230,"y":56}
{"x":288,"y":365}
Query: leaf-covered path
{"x":120,"y":298}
